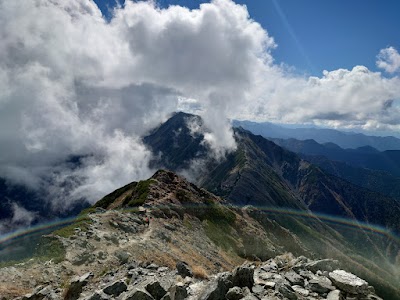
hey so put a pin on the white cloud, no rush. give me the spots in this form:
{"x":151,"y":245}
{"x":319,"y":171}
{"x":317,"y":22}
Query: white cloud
{"x":74,"y":85}
{"x":357,"y":98}
{"x":389,"y":60}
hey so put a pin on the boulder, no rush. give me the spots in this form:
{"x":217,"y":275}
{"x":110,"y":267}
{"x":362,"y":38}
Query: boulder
{"x":183,"y":269}
{"x":98,"y":295}
{"x":294,"y":278}
{"x":41,"y":293}
{"x":116,"y":288}
{"x":76,"y":286}
{"x":320,"y":285}
{"x":236,"y":293}
{"x":178,"y":291}
{"x":287,"y":291}
{"x":167,"y":296}
{"x":122,"y":256}
{"x":349,"y":282}
{"x":156,"y":290}
{"x":218,"y":287}
{"x":300,"y":290}
{"x":322,"y":265}
{"x":243,"y":276}
{"x":334,"y":295}
{"x":258,"y":290}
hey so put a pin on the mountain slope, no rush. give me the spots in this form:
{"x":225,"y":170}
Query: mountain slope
{"x":188,"y":224}
{"x":262,"y":173}
{"x":343,"y":139}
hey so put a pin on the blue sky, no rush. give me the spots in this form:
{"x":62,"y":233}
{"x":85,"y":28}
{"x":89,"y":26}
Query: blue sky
{"x":314,"y":35}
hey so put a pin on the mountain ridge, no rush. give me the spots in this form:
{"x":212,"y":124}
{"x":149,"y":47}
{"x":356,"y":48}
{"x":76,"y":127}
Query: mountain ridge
{"x":321,"y":135}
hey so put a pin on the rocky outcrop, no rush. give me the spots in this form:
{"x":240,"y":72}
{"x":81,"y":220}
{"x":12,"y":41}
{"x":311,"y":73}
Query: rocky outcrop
{"x":284,"y":277}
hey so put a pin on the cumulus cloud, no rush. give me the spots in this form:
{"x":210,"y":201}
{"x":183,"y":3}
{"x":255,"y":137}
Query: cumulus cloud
{"x":357,"y":98}
{"x":77,"y":92}
{"x":389,"y":60}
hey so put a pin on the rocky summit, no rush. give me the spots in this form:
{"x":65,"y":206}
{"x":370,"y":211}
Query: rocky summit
{"x":282,"y":277}
{"x":166,"y":238}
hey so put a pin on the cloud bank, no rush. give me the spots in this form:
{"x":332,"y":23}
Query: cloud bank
{"x":77,"y":92}
{"x":74,"y":87}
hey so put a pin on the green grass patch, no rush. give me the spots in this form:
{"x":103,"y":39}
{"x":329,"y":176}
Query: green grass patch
{"x":219,"y":233}
{"x":82,"y":222}
{"x":50,"y":248}
{"x":140,"y":193}
{"x":187,"y":223}
{"x":110,"y":198}
{"x":217,"y":213}
{"x":87,"y":211}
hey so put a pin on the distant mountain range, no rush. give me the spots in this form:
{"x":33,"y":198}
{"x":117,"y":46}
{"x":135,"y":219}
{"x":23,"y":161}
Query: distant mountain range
{"x":364,"y":166}
{"x":342,"y":139}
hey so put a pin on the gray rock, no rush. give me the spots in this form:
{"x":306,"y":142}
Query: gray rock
{"x":183,"y":269}
{"x":250,"y":297}
{"x":98,"y":295}
{"x":300,"y":290}
{"x":320,"y":285}
{"x":270,"y":266}
{"x":294,"y":278}
{"x":348,"y":282}
{"x":116,"y":288}
{"x":372,"y":297}
{"x":41,"y":293}
{"x":178,"y":291}
{"x":76,"y":286}
{"x":334,"y":295}
{"x":170,"y":227}
{"x":156,"y":290}
{"x":323,"y":265}
{"x":83,"y":258}
{"x":152,"y":267}
{"x":270,"y":284}
{"x":167,"y":296}
{"x":235,"y":293}
{"x":243,"y":276}
{"x":287,"y":291}
{"x":218,"y":287}
{"x":122,"y":256}
{"x":258,"y":290}
{"x":137,"y":294}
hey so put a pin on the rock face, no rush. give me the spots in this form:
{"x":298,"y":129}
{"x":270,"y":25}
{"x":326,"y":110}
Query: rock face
{"x":283,"y":277}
